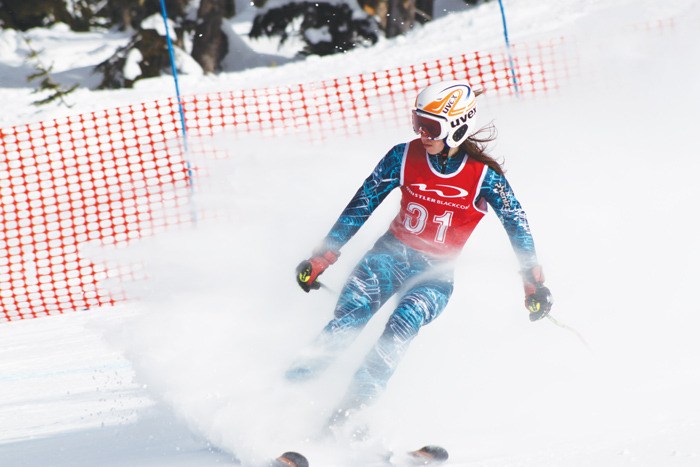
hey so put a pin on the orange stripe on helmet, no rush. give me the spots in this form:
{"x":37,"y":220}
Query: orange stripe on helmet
{"x":436,"y":107}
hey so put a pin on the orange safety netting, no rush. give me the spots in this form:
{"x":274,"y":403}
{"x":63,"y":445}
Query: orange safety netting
{"x":100,"y":177}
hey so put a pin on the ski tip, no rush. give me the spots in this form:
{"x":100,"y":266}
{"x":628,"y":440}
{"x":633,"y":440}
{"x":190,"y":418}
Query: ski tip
{"x":291,"y":459}
{"x":431,"y":453}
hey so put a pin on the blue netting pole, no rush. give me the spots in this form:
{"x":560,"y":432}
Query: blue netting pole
{"x":510,"y":55}
{"x":171,"y":52}
{"x":164,"y":12}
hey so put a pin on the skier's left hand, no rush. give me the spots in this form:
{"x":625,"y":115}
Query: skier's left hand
{"x":538,"y":298}
{"x":539,"y":303}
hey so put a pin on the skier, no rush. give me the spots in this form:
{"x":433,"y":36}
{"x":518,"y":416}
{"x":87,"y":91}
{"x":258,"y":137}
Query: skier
{"x":446,"y":181}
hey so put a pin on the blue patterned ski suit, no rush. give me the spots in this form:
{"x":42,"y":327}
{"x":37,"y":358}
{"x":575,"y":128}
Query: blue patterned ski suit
{"x":424,"y":283}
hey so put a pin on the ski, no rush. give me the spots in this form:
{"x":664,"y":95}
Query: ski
{"x":428,"y":455}
{"x":290,"y":459}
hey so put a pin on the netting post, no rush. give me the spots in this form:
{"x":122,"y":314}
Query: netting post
{"x":171,"y":52}
{"x":510,"y":55}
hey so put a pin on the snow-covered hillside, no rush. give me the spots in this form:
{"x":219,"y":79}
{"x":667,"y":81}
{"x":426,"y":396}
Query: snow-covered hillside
{"x":190,"y":375}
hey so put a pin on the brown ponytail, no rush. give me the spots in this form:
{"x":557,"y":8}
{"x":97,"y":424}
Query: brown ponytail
{"x":475,"y":147}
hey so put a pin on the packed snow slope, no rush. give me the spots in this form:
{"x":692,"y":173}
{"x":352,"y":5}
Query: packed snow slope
{"x":191,"y":372}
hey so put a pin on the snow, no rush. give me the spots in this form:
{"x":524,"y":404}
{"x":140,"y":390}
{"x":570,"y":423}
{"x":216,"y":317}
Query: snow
{"x":132,"y":69}
{"x":190,"y":374}
{"x":316,"y":35}
{"x":156,"y":23}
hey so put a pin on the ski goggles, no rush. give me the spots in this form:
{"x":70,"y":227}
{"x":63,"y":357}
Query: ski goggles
{"x":428,"y":125}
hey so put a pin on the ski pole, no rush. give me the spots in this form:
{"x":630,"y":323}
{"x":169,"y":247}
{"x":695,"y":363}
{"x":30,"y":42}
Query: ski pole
{"x":324,"y":286}
{"x":570,"y":329}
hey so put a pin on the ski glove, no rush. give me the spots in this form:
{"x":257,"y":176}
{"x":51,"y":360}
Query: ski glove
{"x":309,"y":270}
{"x":538,"y":298}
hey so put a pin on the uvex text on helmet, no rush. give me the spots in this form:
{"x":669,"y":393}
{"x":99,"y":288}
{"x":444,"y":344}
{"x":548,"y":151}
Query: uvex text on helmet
{"x":452,"y":104}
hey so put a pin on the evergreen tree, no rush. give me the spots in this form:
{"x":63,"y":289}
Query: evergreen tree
{"x":46,"y":83}
{"x":325,"y":28}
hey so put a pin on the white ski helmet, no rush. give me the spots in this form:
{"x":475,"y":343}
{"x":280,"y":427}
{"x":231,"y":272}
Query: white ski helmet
{"x":446,"y":111}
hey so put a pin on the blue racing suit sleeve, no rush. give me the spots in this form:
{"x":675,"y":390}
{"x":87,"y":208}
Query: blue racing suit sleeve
{"x":385,"y":177}
{"x":499,"y":195}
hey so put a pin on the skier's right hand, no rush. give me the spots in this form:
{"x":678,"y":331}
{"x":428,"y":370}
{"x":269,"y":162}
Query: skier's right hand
{"x":309,"y":270}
